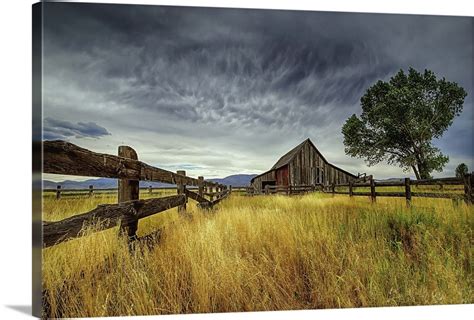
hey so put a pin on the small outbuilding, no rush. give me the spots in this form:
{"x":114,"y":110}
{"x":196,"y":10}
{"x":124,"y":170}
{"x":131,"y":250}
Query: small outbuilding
{"x":303,"y":165}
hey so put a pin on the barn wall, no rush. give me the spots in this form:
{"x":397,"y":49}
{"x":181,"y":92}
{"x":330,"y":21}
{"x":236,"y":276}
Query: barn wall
{"x":257,"y":182}
{"x":281,"y":175}
{"x":309,"y":168}
{"x":306,"y":167}
{"x":334,"y":175}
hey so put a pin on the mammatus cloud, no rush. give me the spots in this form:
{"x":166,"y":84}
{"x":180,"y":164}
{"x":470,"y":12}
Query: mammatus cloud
{"x":63,"y":130}
{"x":229,"y":91}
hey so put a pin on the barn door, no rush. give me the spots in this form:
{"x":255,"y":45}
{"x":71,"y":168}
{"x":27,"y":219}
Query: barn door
{"x":282,"y":176}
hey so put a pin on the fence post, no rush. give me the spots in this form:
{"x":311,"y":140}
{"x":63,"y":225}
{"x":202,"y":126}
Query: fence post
{"x":128,"y":190}
{"x":372,"y":189}
{"x":181,"y":187}
{"x":230,"y":188}
{"x":468,"y":188}
{"x":150,"y":189}
{"x":201,"y":186}
{"x":267,"y":189}
{"x":211,"y":196}
{"x":91,"y":190}
{"x":58,"y":192}
{"x":333,"y":189}
{"x":351,"y":192}
{"x":407,"y":191}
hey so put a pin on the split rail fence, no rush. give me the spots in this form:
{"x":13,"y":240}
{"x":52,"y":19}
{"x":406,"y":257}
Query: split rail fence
{"x":60,"y":192}
{"x":60,"y":157}
{"x":466,"y":183}
{"x":288,"y":190}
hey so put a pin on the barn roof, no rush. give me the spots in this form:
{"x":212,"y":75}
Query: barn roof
{"x":288,"y":157}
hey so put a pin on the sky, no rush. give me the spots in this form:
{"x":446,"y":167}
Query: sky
{"x":217,"y":92}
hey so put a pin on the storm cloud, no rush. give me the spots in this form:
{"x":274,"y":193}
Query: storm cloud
{"x":224,"y":91}
{"x":60,"y":129}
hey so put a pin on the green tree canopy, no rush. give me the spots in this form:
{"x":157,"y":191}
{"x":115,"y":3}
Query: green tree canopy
{"x":461,"y":170}
{"x":400,"y":118}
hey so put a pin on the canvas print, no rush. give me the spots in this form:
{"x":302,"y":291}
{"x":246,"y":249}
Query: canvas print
{"x":200,"y":160}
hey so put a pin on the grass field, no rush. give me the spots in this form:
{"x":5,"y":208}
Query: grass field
{"x":266,"y":253}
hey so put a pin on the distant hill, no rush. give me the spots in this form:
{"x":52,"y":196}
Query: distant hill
{"x":236,"y":180}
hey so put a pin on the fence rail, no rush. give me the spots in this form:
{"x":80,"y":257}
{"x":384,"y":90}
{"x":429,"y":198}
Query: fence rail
{"x":465,"y":183}
{"x":107,"y":216}
{"x":60,"y":157}
{"x":150,"y":189}
{"x":281,"y":189}
{"x":91,"y":191}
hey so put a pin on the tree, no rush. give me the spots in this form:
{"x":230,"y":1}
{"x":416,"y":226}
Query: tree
{"x":461,"y":170}
{"x":399,"y":120}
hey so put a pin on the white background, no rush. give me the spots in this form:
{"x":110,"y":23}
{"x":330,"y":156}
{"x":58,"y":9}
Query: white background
{"x":15,"y":155}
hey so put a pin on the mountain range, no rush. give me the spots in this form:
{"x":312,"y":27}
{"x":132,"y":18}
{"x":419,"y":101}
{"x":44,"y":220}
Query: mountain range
{"x":236,"y":180}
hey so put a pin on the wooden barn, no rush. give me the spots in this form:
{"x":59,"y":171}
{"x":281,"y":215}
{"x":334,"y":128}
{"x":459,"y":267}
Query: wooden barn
{"x":303,"y":165}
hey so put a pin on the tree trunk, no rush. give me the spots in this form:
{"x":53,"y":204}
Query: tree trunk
{"x":415,"y":170}
{"x":423,"y":171}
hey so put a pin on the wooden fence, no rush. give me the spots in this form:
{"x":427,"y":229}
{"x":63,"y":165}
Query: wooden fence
{"x":466,"y":184}
{"x":288,"y":190}
{"x":60,"y":193}
{"x":60,"y":157}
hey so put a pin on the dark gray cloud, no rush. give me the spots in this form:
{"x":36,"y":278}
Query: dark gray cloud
{"x":60,"y":129}
{"x":250,"y":83}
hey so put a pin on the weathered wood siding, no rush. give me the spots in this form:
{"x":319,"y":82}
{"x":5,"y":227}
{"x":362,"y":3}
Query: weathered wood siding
{"x":309,"y":168}
{"x":282,"y":176}
{"x":268,"y":176}
{"x":303,"y":165}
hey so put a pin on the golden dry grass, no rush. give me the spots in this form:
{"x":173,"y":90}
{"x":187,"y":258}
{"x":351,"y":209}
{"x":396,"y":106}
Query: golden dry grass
{"x":266,"y":253}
